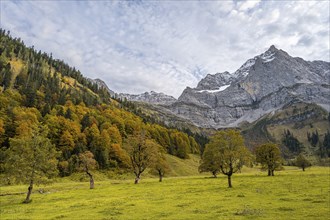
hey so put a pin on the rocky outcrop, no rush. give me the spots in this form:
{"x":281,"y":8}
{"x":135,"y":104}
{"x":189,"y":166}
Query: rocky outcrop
{"x":101,"y":84}
{"x":213,"y":82}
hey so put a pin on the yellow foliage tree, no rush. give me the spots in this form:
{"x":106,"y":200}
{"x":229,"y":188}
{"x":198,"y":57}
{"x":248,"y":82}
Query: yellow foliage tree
{"x":228,"y":152}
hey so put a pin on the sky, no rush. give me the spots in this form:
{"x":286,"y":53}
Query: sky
{"x":165,"y":46}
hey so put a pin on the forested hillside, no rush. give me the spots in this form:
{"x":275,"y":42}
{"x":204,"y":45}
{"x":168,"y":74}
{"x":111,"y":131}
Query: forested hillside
{"x":297,"y":128}
{"x":43,"y":96}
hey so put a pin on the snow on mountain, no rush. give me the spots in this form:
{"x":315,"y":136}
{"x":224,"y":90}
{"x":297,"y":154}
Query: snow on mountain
{"x":266,"y":57}
{"x":221,"y":88}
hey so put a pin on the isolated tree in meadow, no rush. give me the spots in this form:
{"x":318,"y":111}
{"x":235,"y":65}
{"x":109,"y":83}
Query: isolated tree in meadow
{"x":31,"y":159}
{"x":210,"y":161}
{"x":229,"y":151}
{"x":160,"y":165}
{"x":269,"y":155}
{"x":302,"y":162}
{"x":142,"y":154}
{"x":87,"y":163}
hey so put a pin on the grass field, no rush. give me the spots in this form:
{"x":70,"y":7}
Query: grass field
{"x":290,"y":194}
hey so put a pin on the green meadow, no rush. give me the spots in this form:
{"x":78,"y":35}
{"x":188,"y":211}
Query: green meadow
{"x":290,"y":194}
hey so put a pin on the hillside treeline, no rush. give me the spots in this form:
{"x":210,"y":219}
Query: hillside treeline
{"x":36,"y":89}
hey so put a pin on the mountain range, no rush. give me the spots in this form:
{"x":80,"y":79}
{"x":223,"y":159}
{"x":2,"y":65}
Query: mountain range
{"x":262,"y":85}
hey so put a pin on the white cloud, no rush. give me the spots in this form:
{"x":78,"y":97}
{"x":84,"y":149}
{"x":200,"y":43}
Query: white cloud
{"x":248,"y":4}
{"x":166,"y":46}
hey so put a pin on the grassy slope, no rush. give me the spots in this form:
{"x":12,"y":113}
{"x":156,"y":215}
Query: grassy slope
{"x":180,"y":167}
{"x":291,"y":194}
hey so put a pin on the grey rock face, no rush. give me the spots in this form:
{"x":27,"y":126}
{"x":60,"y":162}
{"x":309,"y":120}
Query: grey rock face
{"x":150,"y":97}
{"x":261,"y":85}
{"x":101,"y":84}
{"x":213,"y":82}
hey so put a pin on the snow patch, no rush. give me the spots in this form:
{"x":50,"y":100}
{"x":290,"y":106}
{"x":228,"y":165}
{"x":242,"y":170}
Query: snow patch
{"x":268,"y":60}
{"x":267,"y":57}
{"x":325,"y":106}
{"x":245,"y":74}
{"x":216,"y":90}
{"x":248,"y":64}
{"x":305,"y":81}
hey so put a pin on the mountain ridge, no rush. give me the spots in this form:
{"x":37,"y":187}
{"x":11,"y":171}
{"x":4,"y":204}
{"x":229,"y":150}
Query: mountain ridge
{"x":263,"y":84}
{"x":151,"y":97}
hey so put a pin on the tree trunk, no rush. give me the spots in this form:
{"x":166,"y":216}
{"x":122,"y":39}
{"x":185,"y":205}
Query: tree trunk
{"x":272,"y":172}
{"x":160,"y":173}
{"x":27,"y":200}
{"x":137,"y":179}
{"x":214,"y":173}
{"x":303,"y":168}
{"x":229,"y":181}
{"x":269,"y":172}
{"x":91,"y":180}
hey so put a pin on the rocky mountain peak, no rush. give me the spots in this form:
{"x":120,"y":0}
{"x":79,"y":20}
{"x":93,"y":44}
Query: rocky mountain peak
{"x":261,"y":85}
{"x":268,"y":56}
{"x":272,"y":48}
